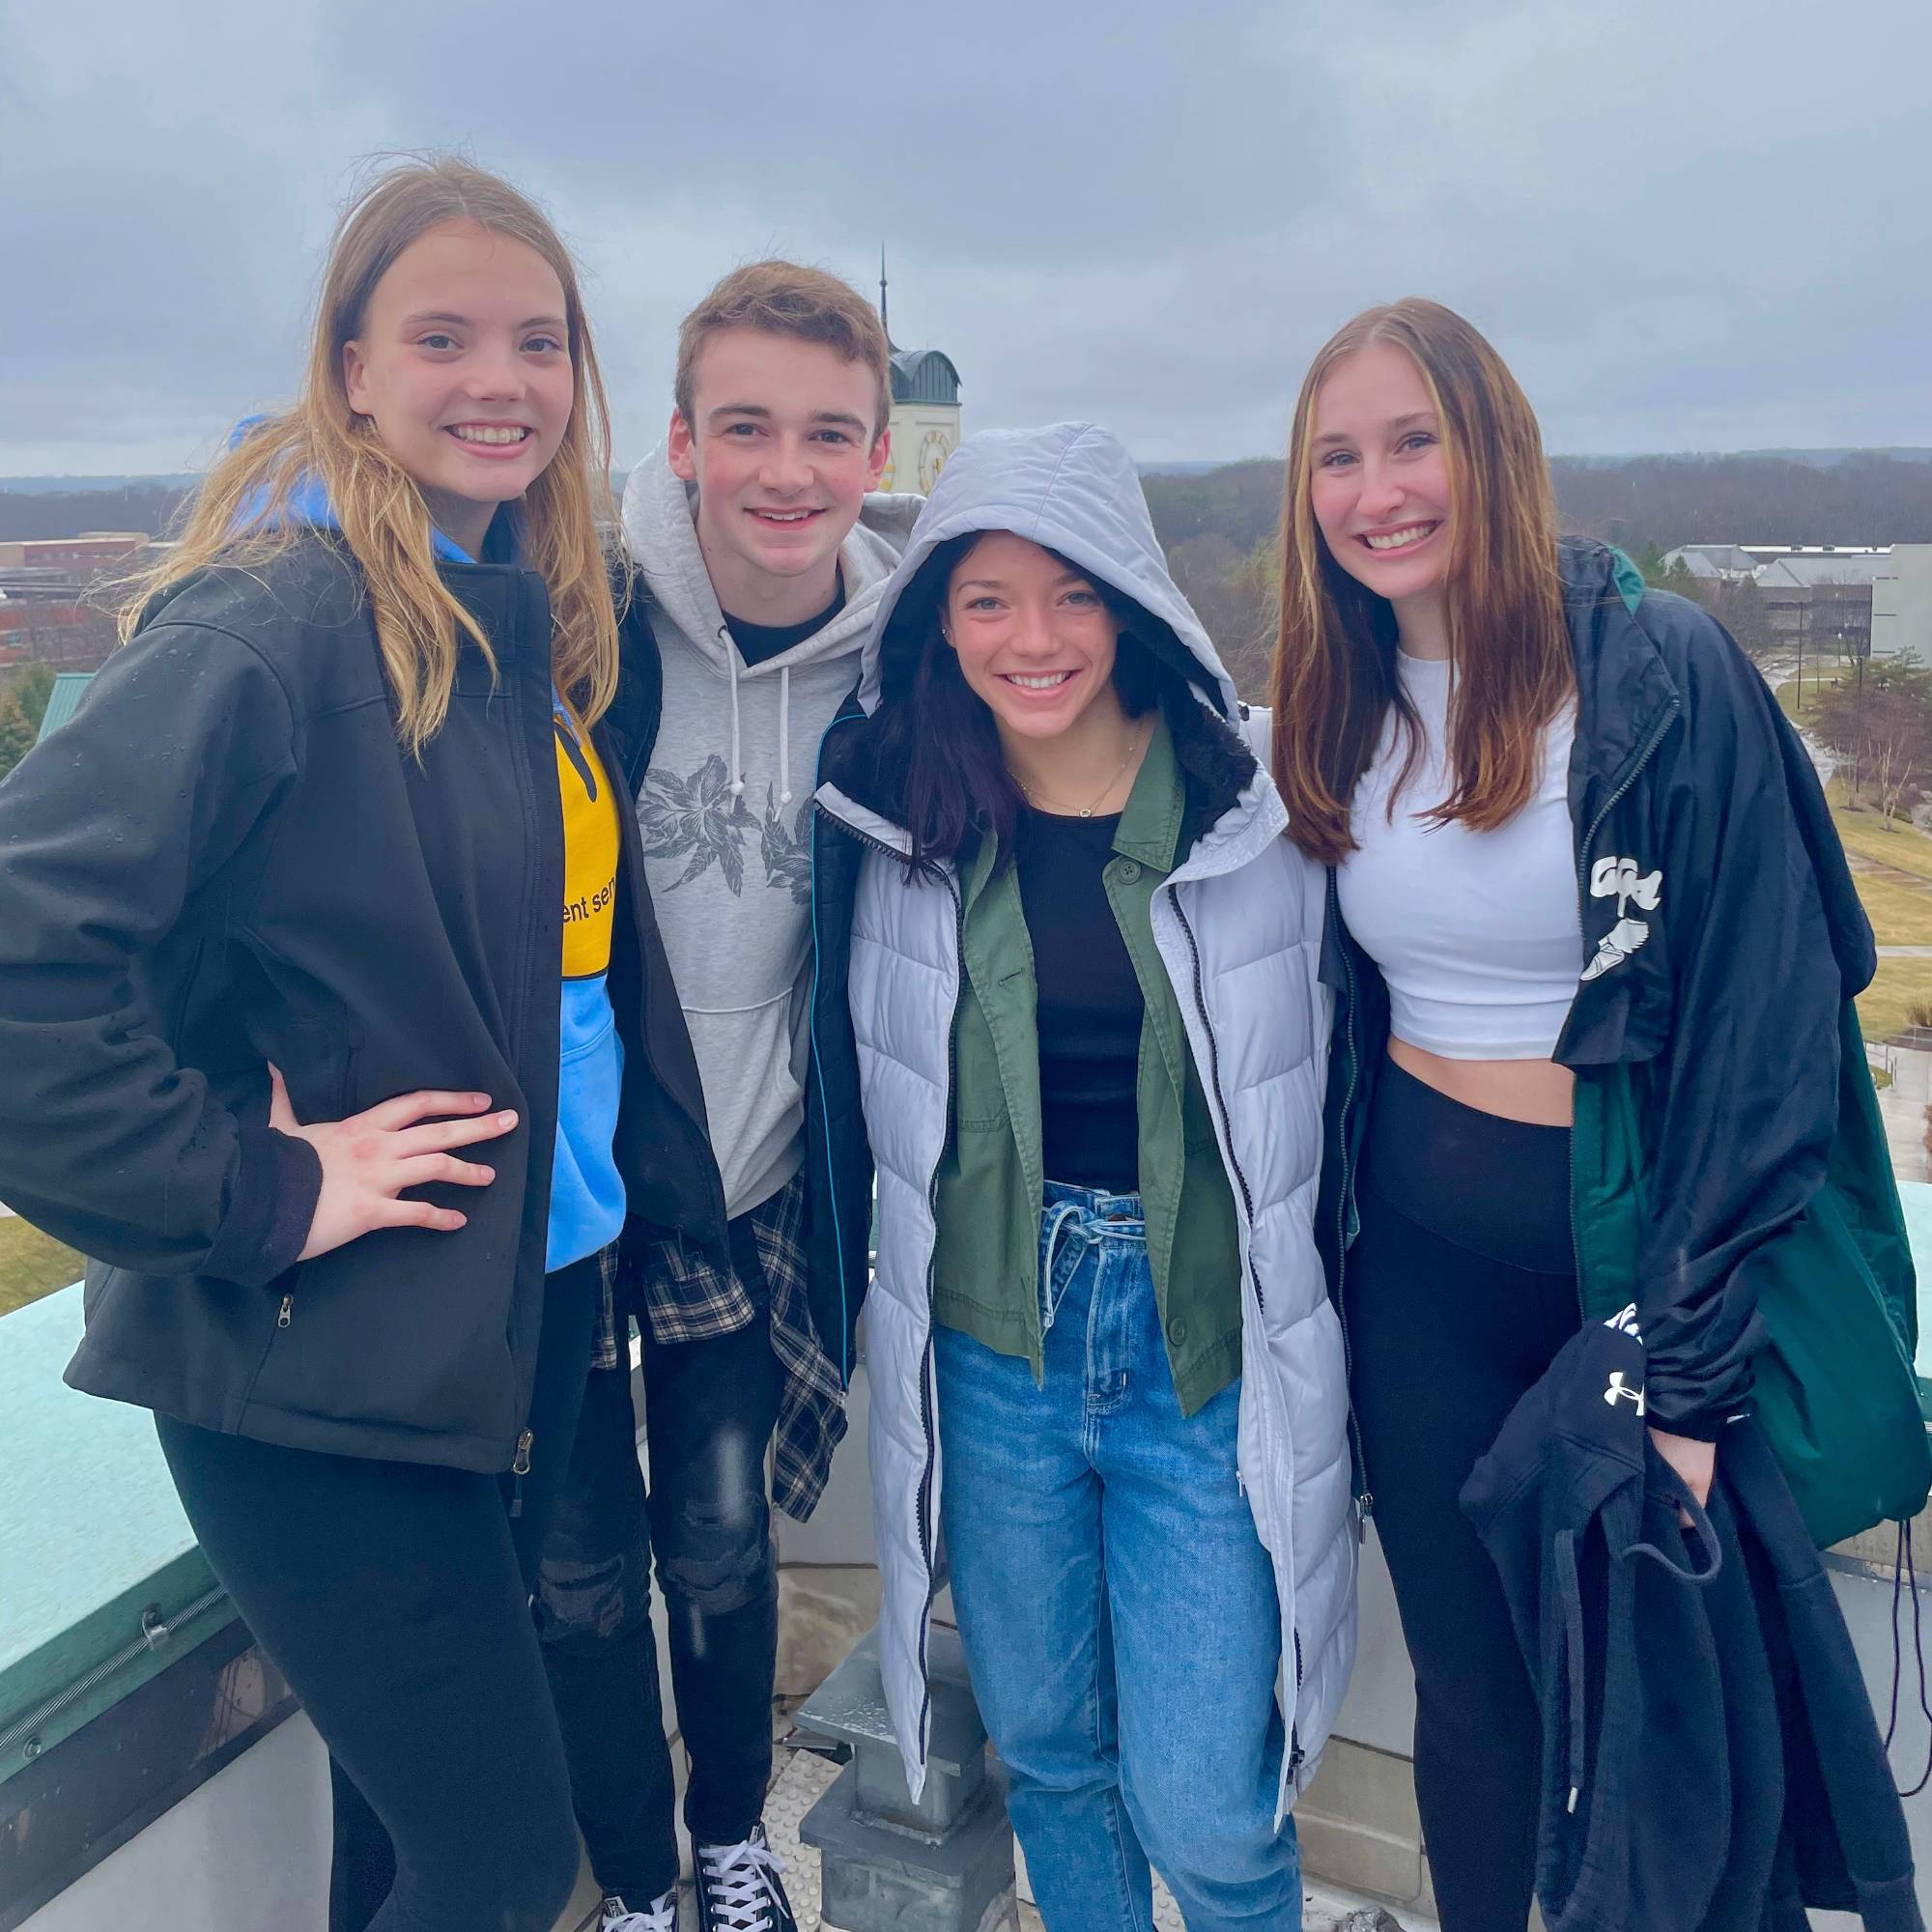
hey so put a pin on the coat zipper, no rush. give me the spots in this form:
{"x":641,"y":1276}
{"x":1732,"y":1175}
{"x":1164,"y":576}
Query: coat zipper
{"x":922,"y":1502}
{"x":844,"y":716}
{"x":1345,"y":1201}
{"x":1631,"y":773}
{"x":288,"y":1313}
{"x":1220,"y":1099}
{"x":1295,"y":1754}
{"x":927,"y":1422}
{"x":520,"y":1468}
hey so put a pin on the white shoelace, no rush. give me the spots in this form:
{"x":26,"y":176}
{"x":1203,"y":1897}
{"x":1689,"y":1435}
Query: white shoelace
{"x":739,"y":1894}
{"x":660,"y":1915}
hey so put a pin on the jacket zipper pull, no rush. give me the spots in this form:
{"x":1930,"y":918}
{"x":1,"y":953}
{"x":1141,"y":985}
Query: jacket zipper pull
{"x":520,"y":1468}
{"x":287,"y":1315}
{"x":1365,"y":1508}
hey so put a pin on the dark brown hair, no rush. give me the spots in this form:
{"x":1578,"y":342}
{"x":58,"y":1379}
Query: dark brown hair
{"x":935,"y":728}
{"x":1334,"y":661}
{"x":787,"y":298}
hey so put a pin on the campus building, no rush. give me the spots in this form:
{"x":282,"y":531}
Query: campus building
{"x":1901,"y":612}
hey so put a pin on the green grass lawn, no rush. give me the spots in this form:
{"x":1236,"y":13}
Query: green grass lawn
{"x":1901,"y":843}
{"x":1899,"y":914}
{"x":1816,"y":676}
{"x":1882,"y":1005}
{"x":32,"y":1264}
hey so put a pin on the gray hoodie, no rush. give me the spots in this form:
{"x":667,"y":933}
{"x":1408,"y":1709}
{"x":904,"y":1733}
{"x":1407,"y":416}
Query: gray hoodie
{"x":725,"y":812}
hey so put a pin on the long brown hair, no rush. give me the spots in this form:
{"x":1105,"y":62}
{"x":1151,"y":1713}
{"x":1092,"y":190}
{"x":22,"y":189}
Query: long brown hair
{"x":242,"y":513}
{"x":1334,"y":661}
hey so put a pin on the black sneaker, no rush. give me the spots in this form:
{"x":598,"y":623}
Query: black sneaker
{"x":739,"y":1889}
{"x":658,"y":1915}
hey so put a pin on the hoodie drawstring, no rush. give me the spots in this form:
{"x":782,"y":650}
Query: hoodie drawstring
{"x":784,"y":735}
{"x":1572,"y":1593}
{"x":736,"y":771}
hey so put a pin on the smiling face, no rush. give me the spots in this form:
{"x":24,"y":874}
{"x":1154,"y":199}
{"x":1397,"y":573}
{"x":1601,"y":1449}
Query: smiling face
{"x":1379,"y":482}
{"x":782,"y":447}
{"x":1034,"y":640}
{"x":462,"y":363}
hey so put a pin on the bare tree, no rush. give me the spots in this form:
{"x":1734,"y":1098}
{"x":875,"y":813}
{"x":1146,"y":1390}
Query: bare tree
{"x":1880,"y":725}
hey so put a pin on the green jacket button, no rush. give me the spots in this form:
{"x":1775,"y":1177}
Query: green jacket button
{"x":1177,"y":1331}
{"x":1130,"y":870}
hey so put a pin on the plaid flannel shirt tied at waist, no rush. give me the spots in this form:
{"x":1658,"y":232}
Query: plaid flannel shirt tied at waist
{"x":680,"y":1296}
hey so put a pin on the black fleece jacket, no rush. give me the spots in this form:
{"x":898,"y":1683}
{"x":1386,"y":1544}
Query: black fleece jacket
{"x":226,"y":859}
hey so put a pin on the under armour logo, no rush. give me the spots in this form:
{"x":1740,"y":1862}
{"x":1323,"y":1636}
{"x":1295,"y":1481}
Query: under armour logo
{"x":1620,"y":1390}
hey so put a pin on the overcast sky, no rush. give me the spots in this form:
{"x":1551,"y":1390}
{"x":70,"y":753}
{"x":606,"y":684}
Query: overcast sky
{"x":1688,"y":224}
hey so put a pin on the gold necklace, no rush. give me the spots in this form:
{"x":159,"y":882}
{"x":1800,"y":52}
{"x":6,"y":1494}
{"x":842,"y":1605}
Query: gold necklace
{"x":1081,"y":810}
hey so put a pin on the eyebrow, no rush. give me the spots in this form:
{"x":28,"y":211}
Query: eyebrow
{"x":1394,"y":423}
{"x":758,"y":412}
{"x":465,"y":322}
{"x":999,"y":582}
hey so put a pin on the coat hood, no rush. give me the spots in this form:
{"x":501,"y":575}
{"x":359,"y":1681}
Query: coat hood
{"x":1073,"y":488}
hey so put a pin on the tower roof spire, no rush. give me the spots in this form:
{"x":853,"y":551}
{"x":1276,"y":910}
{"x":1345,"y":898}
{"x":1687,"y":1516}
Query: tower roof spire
{"x":883,"y":323}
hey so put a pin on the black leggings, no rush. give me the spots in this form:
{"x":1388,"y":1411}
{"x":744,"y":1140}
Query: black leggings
{"x":1460,"y":1290}
{"x":395,"y":1599}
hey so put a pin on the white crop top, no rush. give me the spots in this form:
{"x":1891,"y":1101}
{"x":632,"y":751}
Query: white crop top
{"x":1477,"y":933}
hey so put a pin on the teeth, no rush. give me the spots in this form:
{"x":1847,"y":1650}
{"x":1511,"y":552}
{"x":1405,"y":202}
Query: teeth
{"x":1046,"y":683}
{"x":784,"y":515}
{"x":1401,"y":539}
{"x":478,"y":432}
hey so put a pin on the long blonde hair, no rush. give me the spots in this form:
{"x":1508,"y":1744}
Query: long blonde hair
{"x":242,"y":513}
{"x":1334,"y":668}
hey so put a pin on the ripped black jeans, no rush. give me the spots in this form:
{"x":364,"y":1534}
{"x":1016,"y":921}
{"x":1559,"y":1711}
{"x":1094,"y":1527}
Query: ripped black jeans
{"x":709,"y":1411}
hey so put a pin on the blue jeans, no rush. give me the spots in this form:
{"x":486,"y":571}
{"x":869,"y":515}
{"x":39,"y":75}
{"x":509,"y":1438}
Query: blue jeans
{"x":1118,"y":1609}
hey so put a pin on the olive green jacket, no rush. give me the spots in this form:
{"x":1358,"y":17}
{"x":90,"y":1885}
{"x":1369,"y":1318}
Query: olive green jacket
{"x":985,"y":1270}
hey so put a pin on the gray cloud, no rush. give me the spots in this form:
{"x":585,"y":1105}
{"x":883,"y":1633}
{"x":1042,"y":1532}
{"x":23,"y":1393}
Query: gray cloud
{"x":1692,"y":226}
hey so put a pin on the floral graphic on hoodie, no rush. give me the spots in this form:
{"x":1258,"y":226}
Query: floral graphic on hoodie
{"x":699,"y":815}
{"x":787,"y":853}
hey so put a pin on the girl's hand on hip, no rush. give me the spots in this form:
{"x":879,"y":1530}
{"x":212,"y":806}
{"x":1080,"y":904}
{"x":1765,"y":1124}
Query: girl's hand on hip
{"x":368,"y":1159}
{"x":1696,"y":1461}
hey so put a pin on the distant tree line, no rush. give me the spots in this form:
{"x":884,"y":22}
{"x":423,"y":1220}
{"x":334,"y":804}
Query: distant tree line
{"x":28,"y":516}
{"x":1218,"y":528}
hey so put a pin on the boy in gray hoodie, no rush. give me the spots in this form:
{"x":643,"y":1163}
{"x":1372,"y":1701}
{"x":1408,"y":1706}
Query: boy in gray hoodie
{"x":763,"y":551}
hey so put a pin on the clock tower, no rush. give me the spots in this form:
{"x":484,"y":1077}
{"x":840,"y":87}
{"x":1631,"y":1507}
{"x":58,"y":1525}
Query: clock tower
{"x":925,"y":421}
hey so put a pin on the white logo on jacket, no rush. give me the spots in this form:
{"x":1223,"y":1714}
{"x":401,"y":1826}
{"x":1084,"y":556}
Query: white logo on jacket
{"x":1620,"y":880}
{"x":1620,"y":1390}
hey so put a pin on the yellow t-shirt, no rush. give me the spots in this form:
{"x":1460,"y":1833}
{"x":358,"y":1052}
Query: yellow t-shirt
{"x":587,"y":1193}
{"x":589,"y":852}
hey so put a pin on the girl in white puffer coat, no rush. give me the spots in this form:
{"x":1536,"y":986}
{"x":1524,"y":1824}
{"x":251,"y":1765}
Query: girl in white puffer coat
{"x":1090,"y":1049}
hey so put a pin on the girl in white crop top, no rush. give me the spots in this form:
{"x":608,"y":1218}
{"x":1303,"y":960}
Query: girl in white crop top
{"x":1477,"y":933}
{"x":1572,"y":842}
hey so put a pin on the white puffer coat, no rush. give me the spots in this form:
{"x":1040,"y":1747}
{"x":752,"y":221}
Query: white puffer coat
{"x":1238,"y":928}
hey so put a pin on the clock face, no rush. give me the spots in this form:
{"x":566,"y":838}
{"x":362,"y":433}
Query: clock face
{"x":891,"y":470}
{"x":932,"y":455}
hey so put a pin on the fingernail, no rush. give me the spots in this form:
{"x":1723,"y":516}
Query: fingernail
{"x":488,"y":1173}
{"x":507,"y":1119}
